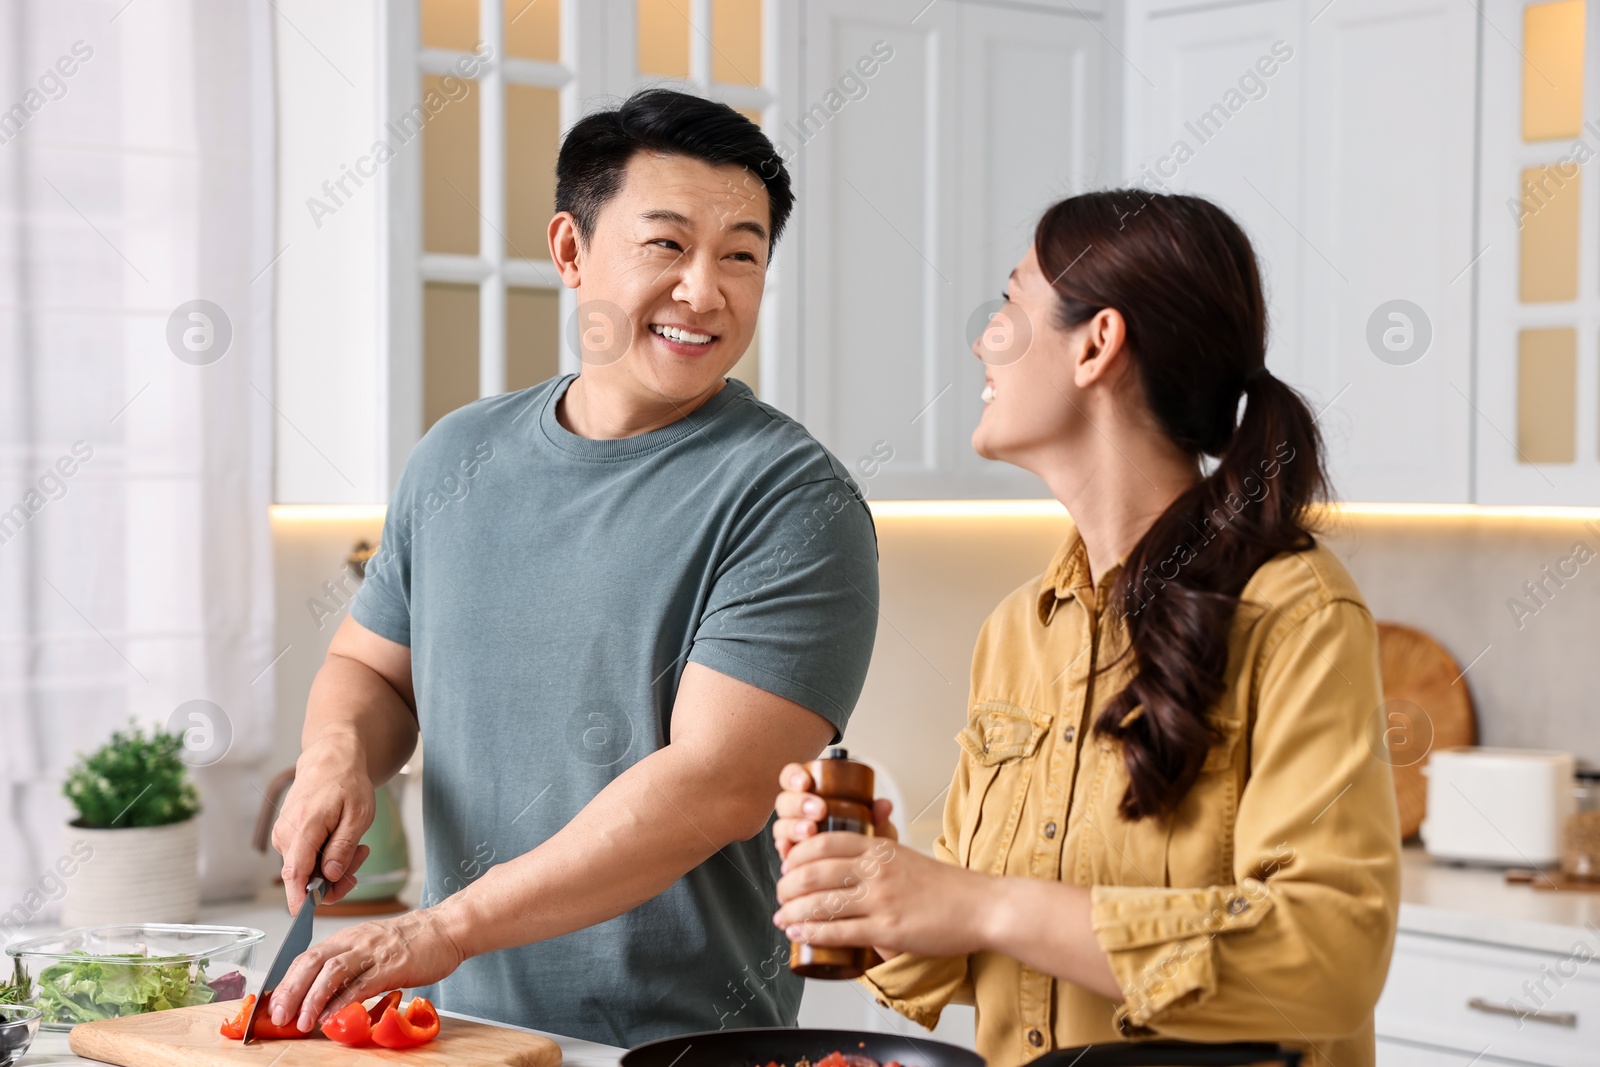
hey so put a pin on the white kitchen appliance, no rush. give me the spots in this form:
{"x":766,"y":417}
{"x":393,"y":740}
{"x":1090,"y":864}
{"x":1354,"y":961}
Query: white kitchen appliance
{"x":1499,"y":806}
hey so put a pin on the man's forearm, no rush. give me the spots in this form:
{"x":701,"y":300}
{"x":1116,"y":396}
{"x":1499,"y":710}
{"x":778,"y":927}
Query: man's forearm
{"x":647,"y":829}
{"x":353,"y":714}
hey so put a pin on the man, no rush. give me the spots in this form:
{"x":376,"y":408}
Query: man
{"x":616,"y":604}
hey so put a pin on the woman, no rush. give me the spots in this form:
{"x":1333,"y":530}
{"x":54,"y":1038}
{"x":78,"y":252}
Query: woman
{"x":1167,"y":818}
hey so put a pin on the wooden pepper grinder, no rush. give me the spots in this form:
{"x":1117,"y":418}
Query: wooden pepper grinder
{"x":846,"y":786}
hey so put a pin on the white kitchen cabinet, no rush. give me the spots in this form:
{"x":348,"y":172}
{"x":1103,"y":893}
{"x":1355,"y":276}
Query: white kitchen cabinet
{"x":1393,"y":1053}
{"x":1181,"y":63}
{"x":1455,"y":998}
{"x":1341,"y":137}
{"x":1514,"y":461}
{"x":1389,"y":196}
{"x":1352,"y":165}
{"x":916,"y":200}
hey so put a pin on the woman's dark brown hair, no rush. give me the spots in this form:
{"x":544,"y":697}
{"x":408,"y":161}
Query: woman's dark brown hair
{"x":1184,"y":278}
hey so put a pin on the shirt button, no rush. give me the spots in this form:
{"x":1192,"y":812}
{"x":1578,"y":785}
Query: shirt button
{"x":1050,"y":829}
{"x":1237,"y":905}
{"x":1035,"y":1038}
{"x":1069,"y":733}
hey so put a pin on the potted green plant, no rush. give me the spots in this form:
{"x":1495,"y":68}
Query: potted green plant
{"x":136,"y":833}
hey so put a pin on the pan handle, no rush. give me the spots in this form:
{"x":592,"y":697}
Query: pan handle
{"x":1171,"y":1054}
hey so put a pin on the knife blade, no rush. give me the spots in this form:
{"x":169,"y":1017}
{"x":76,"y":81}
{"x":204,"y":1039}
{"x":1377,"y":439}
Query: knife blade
{"x":296,"y":941}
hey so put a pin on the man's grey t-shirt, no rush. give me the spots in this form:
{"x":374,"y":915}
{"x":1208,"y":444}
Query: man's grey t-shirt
{"x":551,"y":588}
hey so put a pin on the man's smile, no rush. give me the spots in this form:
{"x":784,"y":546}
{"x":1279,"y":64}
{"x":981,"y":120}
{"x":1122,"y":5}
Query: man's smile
{"x":681,"y":338}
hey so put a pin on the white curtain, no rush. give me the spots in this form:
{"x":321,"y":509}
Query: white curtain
{"x":136,"y":176}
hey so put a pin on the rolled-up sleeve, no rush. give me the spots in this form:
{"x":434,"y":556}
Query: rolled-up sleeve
{"x":919,"y":987}
{"x":1297,"y":946}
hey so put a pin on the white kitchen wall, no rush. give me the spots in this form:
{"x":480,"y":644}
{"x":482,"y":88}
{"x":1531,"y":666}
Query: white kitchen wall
{"x":313,"y":590}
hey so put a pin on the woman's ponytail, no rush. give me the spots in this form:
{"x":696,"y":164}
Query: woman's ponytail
{"x":1184,"y":278}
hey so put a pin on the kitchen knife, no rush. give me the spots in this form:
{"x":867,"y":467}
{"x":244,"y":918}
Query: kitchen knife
{"x":296,"y":941}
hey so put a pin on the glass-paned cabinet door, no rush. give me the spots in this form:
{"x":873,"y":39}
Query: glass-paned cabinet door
{"x":736,"y":42}
{"x":532,"y":140}
{"x":533,"y":30}
{"x":662,"y":36}
{"x":490,"y":302}
{"x":451,"y":25}
{"x":450,"y":342}
{"x":1547,"y":384}
{"x":450,"y":193}
{"x":1538,"y":401}
{"x":1552,"y":70}
{"x":533,"y":350}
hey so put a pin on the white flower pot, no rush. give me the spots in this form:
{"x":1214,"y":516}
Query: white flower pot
{"x":147,"y":874}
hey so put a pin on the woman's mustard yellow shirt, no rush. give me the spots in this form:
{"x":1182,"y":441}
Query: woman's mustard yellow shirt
{"x":1264,"y":909}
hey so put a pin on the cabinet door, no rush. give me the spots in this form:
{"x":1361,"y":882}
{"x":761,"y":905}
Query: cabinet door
{"x":1538,"y":395}
{"x":1525,"y":1006}
{"x":919,"y":188}
{"x":1404,"y":1054}
{"x":1031,"y":121}
{"x":1341,"y":138}
{"x":1192,"y":128}
{"x":1388,"y":218}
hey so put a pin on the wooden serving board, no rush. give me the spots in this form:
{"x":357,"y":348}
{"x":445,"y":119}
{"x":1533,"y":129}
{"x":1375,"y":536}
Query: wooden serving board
{"x":190,"y":1037}
{"x":1427,"y":706}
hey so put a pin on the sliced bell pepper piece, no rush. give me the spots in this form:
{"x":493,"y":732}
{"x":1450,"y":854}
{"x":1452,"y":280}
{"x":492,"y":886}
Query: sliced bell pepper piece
{"x":352,"y":1024}
{"x":234,"y":1027}
{"x":417,"y":1025}
{"x":389,"y":1000}
{"x":265,"y":1028}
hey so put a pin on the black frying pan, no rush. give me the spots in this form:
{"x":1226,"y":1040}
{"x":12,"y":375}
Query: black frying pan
{"x":756,"y":1048}
{"x":1170,"y":1054}
{"x":759,"y":1047}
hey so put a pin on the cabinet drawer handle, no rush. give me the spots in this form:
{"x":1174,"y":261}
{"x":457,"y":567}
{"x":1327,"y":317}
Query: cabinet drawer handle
{"x":1554,"y":1018}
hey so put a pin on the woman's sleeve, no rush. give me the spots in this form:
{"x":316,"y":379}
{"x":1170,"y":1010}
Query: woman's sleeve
{"x":919,"y":987}
{"x":1298,"y":946}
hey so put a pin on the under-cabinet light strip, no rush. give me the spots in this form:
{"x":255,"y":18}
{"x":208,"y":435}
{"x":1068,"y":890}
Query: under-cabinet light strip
{"x":1043,"y":509}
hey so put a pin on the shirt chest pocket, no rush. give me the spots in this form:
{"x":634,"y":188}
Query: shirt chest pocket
{"x":1002,"y":739}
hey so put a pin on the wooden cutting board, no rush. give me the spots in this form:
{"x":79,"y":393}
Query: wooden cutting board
{"x":1427,"y":706}
{"x":189,"y":1037}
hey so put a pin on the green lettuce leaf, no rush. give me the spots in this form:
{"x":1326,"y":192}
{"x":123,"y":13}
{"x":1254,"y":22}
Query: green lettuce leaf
{"x":80,"y":991}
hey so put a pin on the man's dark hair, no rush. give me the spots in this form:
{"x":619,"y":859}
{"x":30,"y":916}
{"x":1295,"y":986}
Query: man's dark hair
{"x":596,"y":151}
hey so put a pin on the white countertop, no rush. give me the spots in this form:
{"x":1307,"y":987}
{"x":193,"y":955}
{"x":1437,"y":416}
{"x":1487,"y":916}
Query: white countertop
{"x":1478,"y":904}
{"x":268,"y":914}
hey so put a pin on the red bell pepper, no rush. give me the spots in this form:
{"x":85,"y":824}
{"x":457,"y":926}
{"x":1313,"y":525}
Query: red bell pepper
{"x":418,"y":1025}
{"x":265,"y":1027}
{"x":352,"y":1024}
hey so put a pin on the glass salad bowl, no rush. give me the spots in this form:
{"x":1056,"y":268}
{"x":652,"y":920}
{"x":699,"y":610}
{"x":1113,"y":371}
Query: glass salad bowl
{"x":101,"y":972}
{"x":18,"y":1024}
